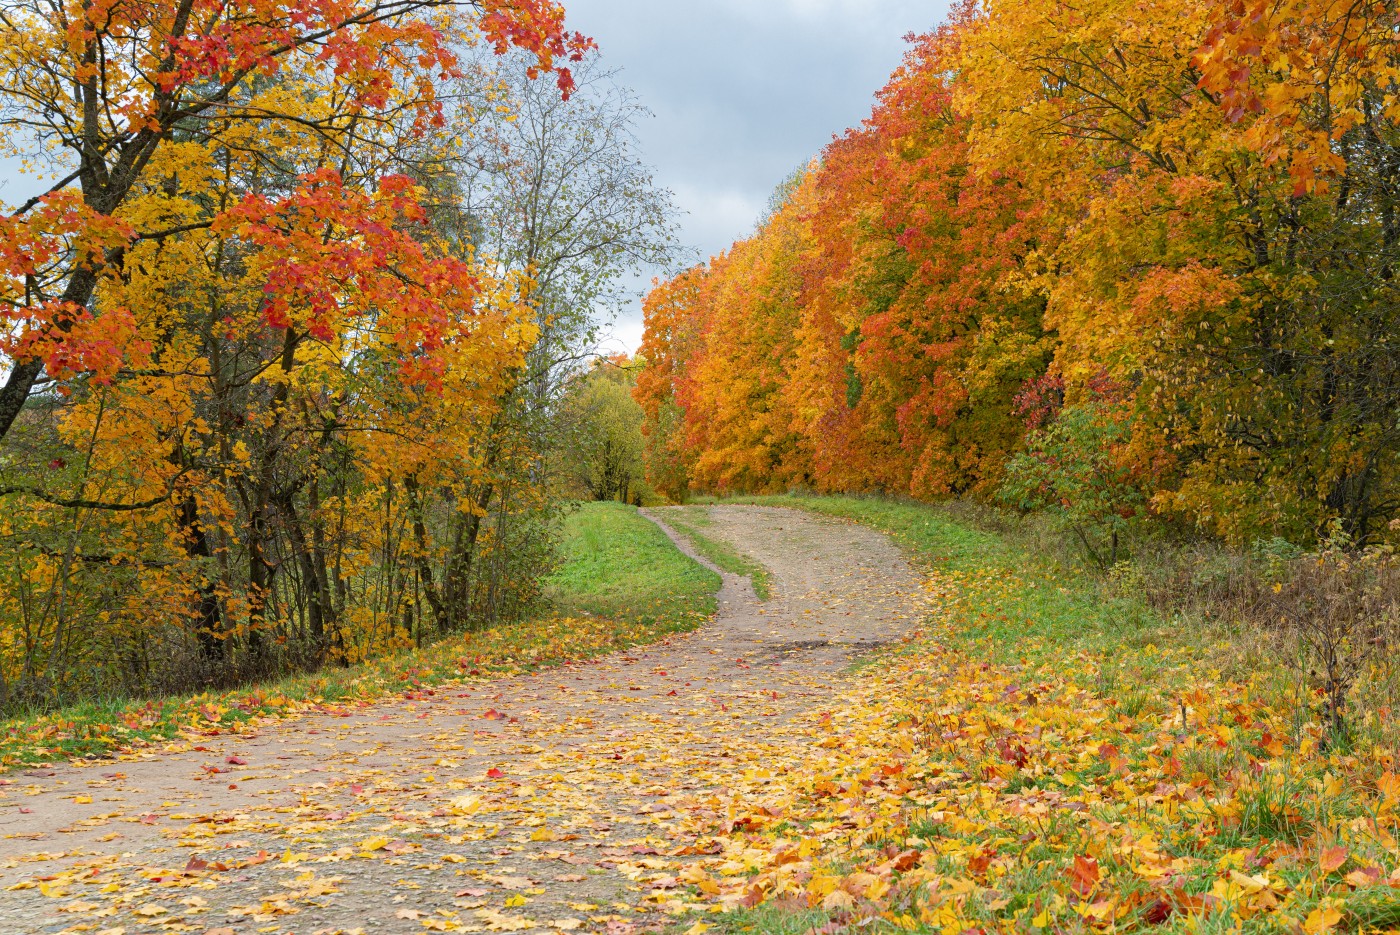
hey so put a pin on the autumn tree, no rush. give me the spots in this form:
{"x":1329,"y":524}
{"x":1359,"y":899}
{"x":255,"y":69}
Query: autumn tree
{"x":251,"y":334}
{"x":604,"y":456}
{"x":1195,"y":199}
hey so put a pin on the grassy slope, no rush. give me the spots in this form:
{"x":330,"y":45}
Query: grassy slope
{"x":1145,"y":722}
{"x":622,"y":583}
{"x":690,"y":521}
{"x":621,"y":566}
{"x":1035,"y":614}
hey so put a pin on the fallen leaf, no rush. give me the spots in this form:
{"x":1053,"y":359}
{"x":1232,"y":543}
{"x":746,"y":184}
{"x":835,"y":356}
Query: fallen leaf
{"x":1332,"y":858}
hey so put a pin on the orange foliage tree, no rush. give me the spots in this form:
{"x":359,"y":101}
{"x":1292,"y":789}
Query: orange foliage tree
{"x":249,"y":374}
{"x":1188,"y":198}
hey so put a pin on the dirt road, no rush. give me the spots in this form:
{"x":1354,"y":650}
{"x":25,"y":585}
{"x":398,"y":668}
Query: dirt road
{"x":564,"y":800}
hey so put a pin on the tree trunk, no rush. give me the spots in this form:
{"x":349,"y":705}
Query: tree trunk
{"x":209,"y":617}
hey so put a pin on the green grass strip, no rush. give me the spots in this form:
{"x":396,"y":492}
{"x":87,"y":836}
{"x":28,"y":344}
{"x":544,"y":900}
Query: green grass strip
{"x":690,"y":520}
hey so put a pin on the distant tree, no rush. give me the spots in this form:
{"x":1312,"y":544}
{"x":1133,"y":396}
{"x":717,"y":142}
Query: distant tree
{"x":605,"y":455}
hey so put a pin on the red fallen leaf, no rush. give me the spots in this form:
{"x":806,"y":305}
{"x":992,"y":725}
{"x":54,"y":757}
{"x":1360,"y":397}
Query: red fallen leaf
{"x":494,"y":773}
{"x":493,"y":715}
{"x":621,"y":928}
{"x":671,"y":692}
{"x":335,"y":816}
{"x":357,"y":789}
{"x":149,"y":819}
{"x":1186,"y":902}
{"x":1332,"y":858}
{"x":261,"y":857}
{"x":1159,"y":912}
{"x":236,"y":760}
{"x":978,"y":864}
{"x":26,"y":811}
{"x":905,"y":861}
{"x":476,"y":893}
{"x":1084,"y":874}
{"x":575,"y":860}
{"x":195,"y":865}
{"x":698,"y":848}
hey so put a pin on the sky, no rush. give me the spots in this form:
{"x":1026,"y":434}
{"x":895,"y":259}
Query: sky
{"x":744,"y":92}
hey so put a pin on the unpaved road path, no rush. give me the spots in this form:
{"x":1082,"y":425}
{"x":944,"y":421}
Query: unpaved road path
{"x":563,"y":800}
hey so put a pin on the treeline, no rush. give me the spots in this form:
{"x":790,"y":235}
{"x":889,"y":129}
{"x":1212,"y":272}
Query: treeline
{"x":284,"y":352}
{"x":1110,"y":260}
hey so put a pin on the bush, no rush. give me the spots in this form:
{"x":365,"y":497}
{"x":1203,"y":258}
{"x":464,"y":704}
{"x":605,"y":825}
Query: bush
{"x":1344,"y":609}
{"x":1077,"y":468}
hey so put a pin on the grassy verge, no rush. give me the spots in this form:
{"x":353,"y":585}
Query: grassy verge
{"x":690,"y":521}
{"x":1016,"y":608}
{"x":1053,"y":756}
{"x":622,"y":583}
{"x":618,"y":565}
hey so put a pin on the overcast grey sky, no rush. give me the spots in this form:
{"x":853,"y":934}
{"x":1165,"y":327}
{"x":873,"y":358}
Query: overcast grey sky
{"x":744,"y":92}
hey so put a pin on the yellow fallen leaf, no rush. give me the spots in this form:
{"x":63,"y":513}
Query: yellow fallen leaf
{"x":78,"y":907}
{"x":149,"y":910}
{"x":374,"y":844}
{"x":566,"y":925}
{"x":1322,"y":919}
{"x":82,"y":800}
{"x":516,"y":900}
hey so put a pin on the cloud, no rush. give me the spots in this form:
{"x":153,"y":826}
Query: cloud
{"x":746,"y":91}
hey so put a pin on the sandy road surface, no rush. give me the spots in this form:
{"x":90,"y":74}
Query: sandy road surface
{"x":564,"y":800}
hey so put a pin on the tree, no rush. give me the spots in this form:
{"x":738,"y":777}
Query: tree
{"x":278,"y":340}
{"x":604,"y":456}
{"x":117,"y":96}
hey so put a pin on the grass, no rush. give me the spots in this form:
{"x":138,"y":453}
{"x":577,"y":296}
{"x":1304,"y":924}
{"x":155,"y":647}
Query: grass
{"x":1062,"y":613}
{"x":622,"y":583}
{"x":689,"y":521}
{"x":619,"y":565}
{"x":1040,"y":679}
